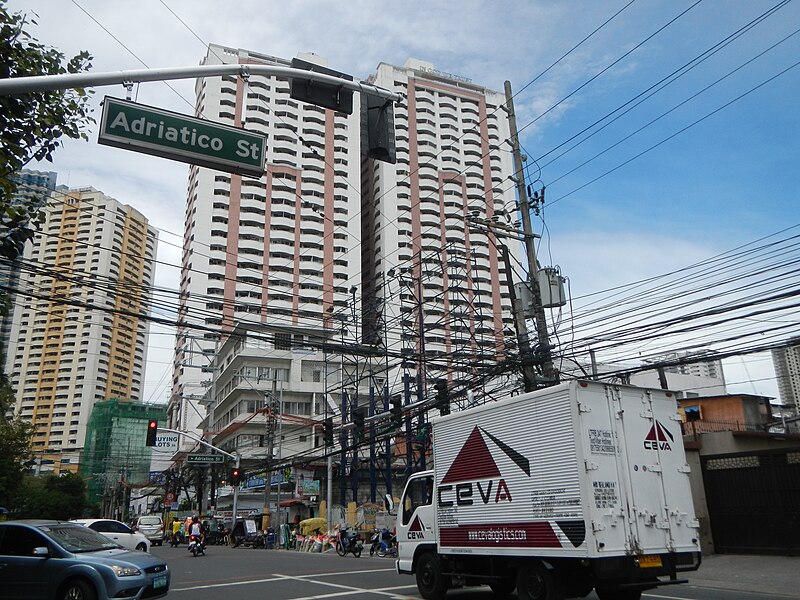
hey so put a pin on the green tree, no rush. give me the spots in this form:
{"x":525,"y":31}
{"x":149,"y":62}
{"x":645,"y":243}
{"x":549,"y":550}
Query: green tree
{"x":52,"y":497}
{"x":15,"y":448}
{"x":32,"y":125}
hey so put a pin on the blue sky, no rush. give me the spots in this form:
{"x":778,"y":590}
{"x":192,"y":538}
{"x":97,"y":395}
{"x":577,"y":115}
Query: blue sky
{"x":724,"y":181}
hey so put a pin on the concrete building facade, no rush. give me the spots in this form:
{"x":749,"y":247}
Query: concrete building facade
{"x":430,"y":263}
{"x":33,"y":189}
{"x":282,"y":249}
{"x":78,"y":337}
{"x":787,"y":371}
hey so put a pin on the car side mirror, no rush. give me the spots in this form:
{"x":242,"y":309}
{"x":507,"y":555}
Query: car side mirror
{"x":42,"y":551}
{"x":388,"y":504}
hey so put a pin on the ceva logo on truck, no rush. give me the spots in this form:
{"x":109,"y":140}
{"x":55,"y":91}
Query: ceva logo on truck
{"x":658,"y":438}
{"x":466,"y":480}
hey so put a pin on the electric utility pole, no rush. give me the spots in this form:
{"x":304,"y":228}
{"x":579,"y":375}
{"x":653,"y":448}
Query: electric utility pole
{"x":548,"y":374}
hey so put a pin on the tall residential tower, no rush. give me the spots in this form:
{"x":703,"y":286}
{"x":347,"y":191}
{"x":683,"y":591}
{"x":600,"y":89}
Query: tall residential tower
{"x":282,"y":250}
{"x":432,"y":262}
{"x":77,"y":335}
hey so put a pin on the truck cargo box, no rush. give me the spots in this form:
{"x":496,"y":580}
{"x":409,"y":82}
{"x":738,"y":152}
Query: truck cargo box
{"x":582,"y":469}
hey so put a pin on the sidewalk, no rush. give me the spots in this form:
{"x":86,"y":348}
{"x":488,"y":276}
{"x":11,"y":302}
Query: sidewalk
{"x":777,"y":575}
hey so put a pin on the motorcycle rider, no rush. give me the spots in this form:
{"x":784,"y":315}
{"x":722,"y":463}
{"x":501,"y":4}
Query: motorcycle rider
{"x":176,"y":532}
{"x":197,"y":530}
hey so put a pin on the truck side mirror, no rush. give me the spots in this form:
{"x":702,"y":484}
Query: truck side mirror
{"x":388,"y":504}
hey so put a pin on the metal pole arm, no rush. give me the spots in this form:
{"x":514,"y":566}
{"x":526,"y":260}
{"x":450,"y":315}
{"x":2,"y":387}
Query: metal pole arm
{"x":43,"y":83}
{"x":192,"y":436}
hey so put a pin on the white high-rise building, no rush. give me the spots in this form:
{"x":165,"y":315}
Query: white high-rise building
{"x":786,"y":362}
{"x":280,"y":250}
{"x":76,"y":337}
{"x":430,"y":262}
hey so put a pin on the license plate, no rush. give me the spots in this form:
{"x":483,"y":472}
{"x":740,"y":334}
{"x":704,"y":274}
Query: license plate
{"x":159,"y":581}
{"x":649,"y":561}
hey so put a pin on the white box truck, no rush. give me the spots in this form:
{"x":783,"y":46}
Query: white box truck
{"x":576,"y":487}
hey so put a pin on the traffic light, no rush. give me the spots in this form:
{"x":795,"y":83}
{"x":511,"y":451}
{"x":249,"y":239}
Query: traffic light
{"x":377,"y":128}
{"x":442,"y":399}
{"x":327,"y":431}
{"x":358,"y":419}
{"x":327,"y":95}
{"x":397,"y":406}
{"x":236,"y":477}
{"x":152,"y":431}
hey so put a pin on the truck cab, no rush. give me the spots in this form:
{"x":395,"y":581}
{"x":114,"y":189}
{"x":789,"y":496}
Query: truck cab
{"x":415,"y":520}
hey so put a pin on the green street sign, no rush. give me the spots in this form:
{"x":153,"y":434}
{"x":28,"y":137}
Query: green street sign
{"x":151,"y":130}
{"x":204,"y":458}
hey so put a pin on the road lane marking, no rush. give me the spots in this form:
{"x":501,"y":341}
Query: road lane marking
{"x":227,"y":583}
{"x":346,"y":590}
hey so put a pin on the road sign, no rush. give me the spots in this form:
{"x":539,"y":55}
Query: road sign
{"x":205,"y":458}
{"x":163,"y":133}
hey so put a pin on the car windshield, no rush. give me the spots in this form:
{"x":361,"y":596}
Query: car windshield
{"x":75,"y":538}
{"x":150,"y":521}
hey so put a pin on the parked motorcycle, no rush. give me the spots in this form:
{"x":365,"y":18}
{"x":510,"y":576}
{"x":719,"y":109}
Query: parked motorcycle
{"x":347,"y":541}
{"x":196,"y":546}
{"x":374,"y":542}
{"x":388,"y":544}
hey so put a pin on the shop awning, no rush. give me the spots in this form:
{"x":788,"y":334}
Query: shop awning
{"x":291,"y":502}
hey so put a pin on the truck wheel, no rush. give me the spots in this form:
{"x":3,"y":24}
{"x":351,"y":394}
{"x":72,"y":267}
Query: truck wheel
{"x":536,"y":582}
{"x":503,"y":587}
{"x":606,"y":594}
{"x":431,"y":584}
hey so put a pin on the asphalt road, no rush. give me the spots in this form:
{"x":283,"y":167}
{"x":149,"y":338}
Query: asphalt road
{"x":244,"y":574}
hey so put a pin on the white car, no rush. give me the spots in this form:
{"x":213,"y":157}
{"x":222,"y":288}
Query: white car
{"x":117,"y":532}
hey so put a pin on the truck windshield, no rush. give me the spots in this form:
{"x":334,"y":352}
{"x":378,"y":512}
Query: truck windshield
{"x":419,"y":492}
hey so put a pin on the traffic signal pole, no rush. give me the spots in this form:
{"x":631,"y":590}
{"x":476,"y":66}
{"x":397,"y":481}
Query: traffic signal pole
{"x":234,"y":457}
{"x":43,"y":83}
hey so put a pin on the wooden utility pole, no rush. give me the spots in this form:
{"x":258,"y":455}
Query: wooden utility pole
{"x":548,"y":374}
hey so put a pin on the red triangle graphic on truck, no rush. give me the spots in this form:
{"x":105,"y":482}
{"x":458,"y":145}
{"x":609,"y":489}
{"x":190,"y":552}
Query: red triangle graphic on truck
{"x":659,"y":433}
{"x":474,"y":461}
{"x":416,"y":525}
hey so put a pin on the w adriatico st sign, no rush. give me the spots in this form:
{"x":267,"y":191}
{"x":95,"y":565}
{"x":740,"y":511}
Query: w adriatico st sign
{"x":171,"y":135}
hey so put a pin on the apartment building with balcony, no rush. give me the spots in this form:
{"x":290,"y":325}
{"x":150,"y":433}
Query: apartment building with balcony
{"x":279,"y":250}
{"x":435,"y":281}
{"x":78,"y":336}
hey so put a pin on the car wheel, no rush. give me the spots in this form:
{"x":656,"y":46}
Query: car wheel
{"x":77,"y":589}
{"x":142,"y":547}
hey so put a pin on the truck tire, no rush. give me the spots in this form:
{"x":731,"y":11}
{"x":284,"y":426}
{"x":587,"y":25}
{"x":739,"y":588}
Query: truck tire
{"x":431,"y":583}
{"x":606,"y":594}
{"x":502,"y":588}
{"x":537,"y":582}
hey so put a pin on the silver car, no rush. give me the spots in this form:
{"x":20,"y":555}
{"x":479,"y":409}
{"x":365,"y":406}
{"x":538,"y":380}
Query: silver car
{"x":150,"y":526}
{"x":53,"y":560}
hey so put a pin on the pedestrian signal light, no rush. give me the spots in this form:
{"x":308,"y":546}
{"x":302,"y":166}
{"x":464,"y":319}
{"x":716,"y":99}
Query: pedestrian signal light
{"x":152,"y":431}
{"x":236,"y":477}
